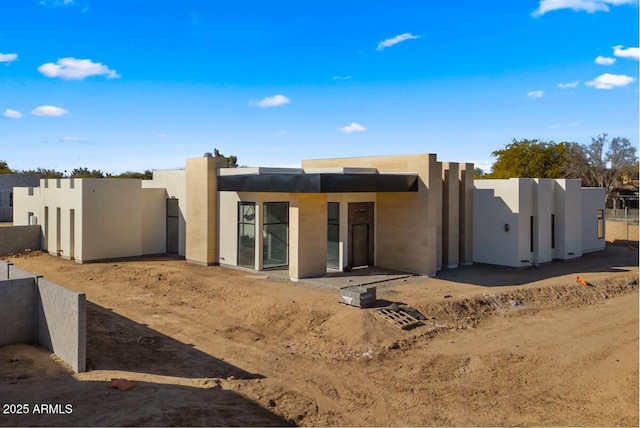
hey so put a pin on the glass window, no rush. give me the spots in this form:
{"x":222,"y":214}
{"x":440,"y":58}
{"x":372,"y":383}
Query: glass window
{"x":275,"y":235}
{"x":600,"y":224}
{"x":333,"y":235}
{"x":247,"y":234}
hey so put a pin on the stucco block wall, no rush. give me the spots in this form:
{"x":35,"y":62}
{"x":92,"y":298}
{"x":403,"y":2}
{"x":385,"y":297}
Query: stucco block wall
{"x":568,"y":206}
{"x":27,"y":200}
{"x":111,"y":219}
{"x":34,"y":310}
{"x":17,"y":311}
{"x":228,"y":250}
{"x":307,"y":235}
{"x":202,"y":210}
{"x":154,"y":221}
{"x":16,"y":239}
{"x":466,"y":179}
{"x":495,"y":204}
{"x":450,"y":215}
{"x":542,"y":212}
{"x":174,"y":184}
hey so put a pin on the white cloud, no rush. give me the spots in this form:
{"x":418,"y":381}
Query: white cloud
{"x":620,"y":51}
{"x":354,"y":127}
{"x":8,"y":57}
{"x":395,"y":40}
{"x":76,"y":69}
{"x":274,"y":101}
{"x":610,"y":81}
{"x":603,"y":60}
{"x":49,"y":111}
{"x":590,"y":6}
{"x":568,"y":85}
{"x":535,"y":94}
{"x":341,"y":77}
{"x":12,"y":114}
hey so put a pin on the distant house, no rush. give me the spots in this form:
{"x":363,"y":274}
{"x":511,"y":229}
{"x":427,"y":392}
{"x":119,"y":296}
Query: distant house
{"x":7,"y":183}
{"x":408,"y":212}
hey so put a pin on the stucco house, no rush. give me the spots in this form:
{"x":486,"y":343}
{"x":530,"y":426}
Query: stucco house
{"x":525,"y":221}
{"x":408,"y":212}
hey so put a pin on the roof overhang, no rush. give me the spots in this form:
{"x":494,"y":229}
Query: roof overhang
{"x":319,"y":183}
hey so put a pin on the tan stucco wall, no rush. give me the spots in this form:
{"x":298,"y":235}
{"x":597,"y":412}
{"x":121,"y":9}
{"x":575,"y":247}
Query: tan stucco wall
{"x":174,"y":184}
{"x":202,"y":210}
{"x":421,"y":210}
{"x":568,"y":205}
{"x":111,"y":217}
{"x":495,"y":204}
{"x":307,"y":235}
{"x":466,"y":178}
{"x":154,"y":221}
{"x":450,"y":215}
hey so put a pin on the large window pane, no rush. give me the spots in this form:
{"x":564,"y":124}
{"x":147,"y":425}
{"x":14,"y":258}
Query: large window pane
{"x":276,"y":212}
{"x":246,"y":234}
{"x":333,"y":235}
{"x":275,"y":245}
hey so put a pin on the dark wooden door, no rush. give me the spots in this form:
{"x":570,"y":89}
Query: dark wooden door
{"x":361,"y":237}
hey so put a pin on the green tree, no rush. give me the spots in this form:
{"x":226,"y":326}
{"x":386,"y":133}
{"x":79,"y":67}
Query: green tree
{"x":4,"y":168}
{"x":530,"y":158}
{"x":232,"y":161}
{"x":479,"y":173}
{"x":86,"y":173}
{"x":602,"y":163}
{"x":45,"y":173}
{"x":147,"y":175}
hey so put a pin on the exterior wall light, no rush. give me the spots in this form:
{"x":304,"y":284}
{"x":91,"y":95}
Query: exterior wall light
{"x":506,"y":227}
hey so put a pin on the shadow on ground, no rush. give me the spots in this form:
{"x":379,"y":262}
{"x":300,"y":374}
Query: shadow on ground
{"x":118,"y":343}
{"x":498,"y":276}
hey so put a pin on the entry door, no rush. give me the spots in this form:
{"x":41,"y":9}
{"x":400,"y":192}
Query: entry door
{"x":361,"y":234}
{"x":173,"y":220}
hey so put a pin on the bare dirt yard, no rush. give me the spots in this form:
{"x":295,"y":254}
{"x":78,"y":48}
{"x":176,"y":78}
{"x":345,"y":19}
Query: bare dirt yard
{"x":216,"y":346}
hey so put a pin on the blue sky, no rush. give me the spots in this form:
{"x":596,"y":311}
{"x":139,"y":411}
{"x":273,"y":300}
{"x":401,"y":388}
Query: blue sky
{"x":132,"y":85}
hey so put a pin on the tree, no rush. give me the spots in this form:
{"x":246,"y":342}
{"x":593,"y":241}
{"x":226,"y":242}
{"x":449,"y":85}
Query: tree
{"x":232,"y":161}
{"x":85,"y":173}
{"x":147,"y":175}
{"x":45,"y":173}
{"x":530,"y":158}
{"x":479,"y":173}
{"x":4,"y":168}
{"x":599,"y":168}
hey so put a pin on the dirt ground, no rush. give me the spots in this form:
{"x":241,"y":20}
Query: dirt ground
{"x":222,"y":347}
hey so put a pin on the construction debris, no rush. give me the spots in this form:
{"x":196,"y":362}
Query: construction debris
{"x":405,"y":318}
{"x":361,"y":296}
